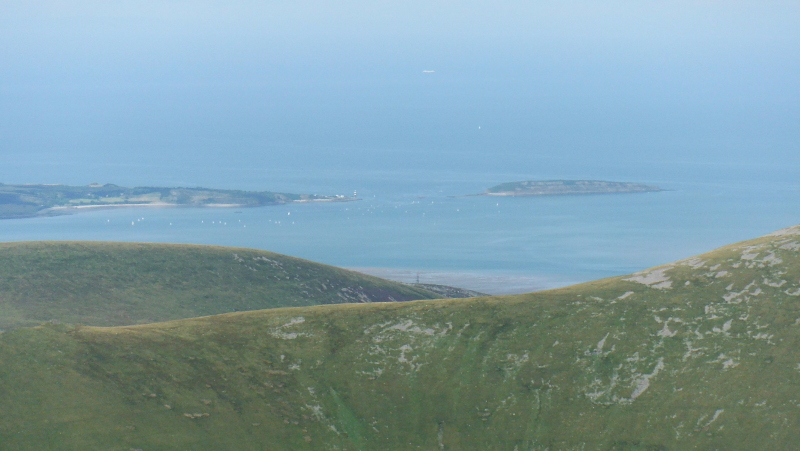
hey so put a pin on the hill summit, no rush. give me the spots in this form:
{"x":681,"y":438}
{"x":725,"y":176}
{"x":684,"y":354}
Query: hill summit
{"x":113,"y":284}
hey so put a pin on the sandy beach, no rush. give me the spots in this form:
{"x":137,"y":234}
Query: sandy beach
{"x":494,"y":283}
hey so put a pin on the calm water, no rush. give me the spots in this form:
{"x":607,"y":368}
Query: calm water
{"x":409,"y":224}
{"x":409,"y":104}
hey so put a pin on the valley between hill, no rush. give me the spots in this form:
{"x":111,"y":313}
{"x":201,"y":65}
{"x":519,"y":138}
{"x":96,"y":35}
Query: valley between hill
{"x":697,"y":354}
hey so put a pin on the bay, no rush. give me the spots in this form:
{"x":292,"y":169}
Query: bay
{"x":414,"y":223}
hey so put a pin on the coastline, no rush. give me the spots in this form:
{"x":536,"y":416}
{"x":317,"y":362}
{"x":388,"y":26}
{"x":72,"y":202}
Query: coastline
{"x":102,"y":206}
{"x":70,"y":209}
{"x":495,"y":283}
{"x":567,"y":187}
{"x":335,"y":199}
{"x":576,"y":193}
{"x":169,"y":204}
{"x":42,"y":200}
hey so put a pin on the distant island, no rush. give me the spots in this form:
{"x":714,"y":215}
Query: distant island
{"x":565,"y":187}
{"x":24,"y":201}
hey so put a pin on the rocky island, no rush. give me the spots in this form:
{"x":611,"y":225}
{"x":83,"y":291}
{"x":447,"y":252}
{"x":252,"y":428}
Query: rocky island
{"x":565,"y":187}
{"x":24,"y":201}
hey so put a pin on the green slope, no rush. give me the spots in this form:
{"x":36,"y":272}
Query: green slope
{"x":699,"y":354}
{"x":107,"y":284}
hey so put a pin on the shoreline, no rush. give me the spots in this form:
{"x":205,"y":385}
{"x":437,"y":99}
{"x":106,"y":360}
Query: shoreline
{"x":494,"y":283}
{"x":69,"y":209}
{"x":38,"y":200}
{"x":172,"y":205}
{"x":577,"y":193}
{"x":100,"y":206}
{"x":515,"y":194}
{"x":567,"y":187}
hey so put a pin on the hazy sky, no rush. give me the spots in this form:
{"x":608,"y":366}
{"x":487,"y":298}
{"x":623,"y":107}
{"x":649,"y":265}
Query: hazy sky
{"x":98,"y":82}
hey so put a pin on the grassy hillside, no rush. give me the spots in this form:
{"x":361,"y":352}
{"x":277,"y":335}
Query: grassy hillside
{"x":108,"y":284}
{"x":698,"y":354}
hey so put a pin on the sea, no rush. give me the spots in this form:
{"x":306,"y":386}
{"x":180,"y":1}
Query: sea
{"x":413,"y":111}
{"x":424,"y":224}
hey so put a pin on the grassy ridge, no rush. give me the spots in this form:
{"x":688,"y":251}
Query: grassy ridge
{"x":108,"y":284}
{"x":699,"y":354}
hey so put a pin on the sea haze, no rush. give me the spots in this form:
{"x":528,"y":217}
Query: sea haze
{"x":408,"y":104}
